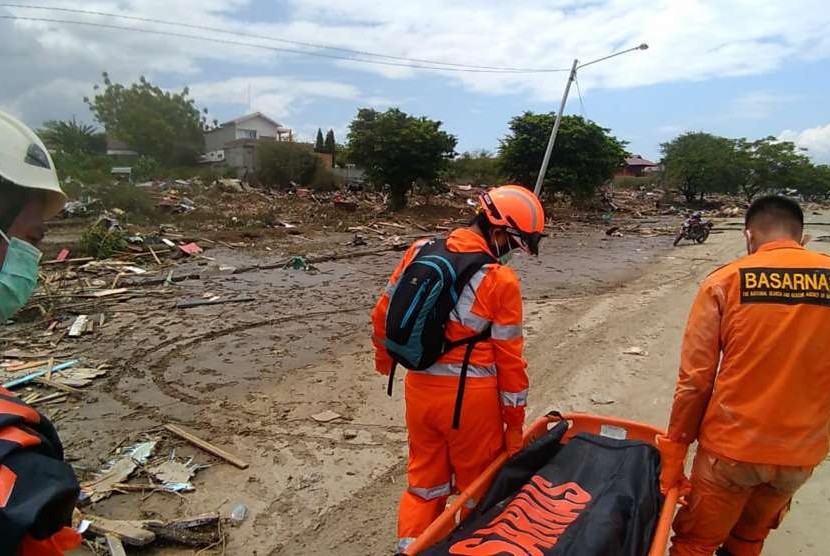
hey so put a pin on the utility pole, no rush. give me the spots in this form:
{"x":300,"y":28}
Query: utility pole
{"x":544,"y":169}
{"x":571,"y":78}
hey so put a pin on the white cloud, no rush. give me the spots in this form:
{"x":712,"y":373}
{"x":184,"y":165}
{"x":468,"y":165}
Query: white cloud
{"x":815,"y":139}
{"x":277,"y":96}
{"x":757,"y":105}
{"x":689,"y":40}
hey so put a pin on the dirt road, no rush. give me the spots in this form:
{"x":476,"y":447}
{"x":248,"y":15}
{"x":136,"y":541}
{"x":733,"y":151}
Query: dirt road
{"x":575,"y":346}
{"x":250,"y":377}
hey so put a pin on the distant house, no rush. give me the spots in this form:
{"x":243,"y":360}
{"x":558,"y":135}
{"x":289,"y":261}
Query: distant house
{"x":232,"y":142}
{"x":117,"y":147}
{"x":637,"y":166}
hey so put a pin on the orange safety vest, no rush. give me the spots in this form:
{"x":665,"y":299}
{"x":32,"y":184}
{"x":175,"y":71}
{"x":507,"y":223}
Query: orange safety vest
{"x":754,"y":380}
{"x":494,"y":298}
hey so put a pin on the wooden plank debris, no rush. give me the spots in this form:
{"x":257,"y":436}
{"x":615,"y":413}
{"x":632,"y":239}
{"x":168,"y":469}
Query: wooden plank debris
{"x":114,"y":546}
{"x":130,"y":532}
{"x":206,"y":446}
{"x":202,"y":302}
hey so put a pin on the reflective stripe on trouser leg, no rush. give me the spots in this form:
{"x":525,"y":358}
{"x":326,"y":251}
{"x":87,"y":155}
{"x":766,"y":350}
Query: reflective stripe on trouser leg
{"x":431,"y":493}
{"x":403,"y":543}
{"x":514,"y":399}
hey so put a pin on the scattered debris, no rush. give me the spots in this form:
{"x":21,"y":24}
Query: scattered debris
{"x":114,"y":546}
{"x":119,"y":471}
{"x":600,"y":400}
{"x":79,"y":326}
{"x":238,"y":514}
{"x":634,"y":350}
{"x":191,"y":248}
{"x":202,"y":302}
{"x":326,"y":416}
{"x":174,"y":475}
{"x":131,"y":532}
{"x":206,"y":446}
{"x":300,"y":263}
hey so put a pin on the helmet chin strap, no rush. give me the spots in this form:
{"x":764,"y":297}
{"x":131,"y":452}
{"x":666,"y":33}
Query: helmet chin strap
{"x":494,"y":246}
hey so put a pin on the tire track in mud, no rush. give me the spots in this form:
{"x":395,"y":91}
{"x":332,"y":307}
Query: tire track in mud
{"x":177,"y":345}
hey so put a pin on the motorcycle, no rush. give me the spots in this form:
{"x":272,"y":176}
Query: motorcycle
{"x":694,"y":231}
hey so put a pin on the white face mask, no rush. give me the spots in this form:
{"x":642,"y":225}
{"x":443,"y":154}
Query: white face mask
{"x":505,"y":259}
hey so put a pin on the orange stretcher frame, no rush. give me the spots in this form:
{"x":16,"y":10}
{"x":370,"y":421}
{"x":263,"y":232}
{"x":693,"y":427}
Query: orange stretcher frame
{"x":579,"y":422}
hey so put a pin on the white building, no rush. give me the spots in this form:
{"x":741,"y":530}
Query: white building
{"x":252,"y":127}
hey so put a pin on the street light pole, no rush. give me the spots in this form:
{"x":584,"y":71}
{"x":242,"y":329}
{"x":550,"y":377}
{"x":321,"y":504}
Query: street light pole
{"x":571,"y":78}
{"x":544,"y":169}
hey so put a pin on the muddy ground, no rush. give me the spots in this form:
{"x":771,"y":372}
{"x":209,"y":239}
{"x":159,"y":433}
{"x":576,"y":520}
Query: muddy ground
{"x":249,"y":377}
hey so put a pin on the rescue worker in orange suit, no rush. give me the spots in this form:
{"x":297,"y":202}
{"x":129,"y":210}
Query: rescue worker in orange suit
{"x":442,"y":459}
{"x":753,"y":389}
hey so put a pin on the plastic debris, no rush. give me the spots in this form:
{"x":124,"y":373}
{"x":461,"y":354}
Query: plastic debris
{"x":238,"y":514}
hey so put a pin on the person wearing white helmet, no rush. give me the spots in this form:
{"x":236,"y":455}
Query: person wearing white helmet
{"x":38,"y":490}
{"x":29,"y":195}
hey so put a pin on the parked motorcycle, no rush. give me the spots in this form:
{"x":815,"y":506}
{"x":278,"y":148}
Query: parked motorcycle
{"x":694,"y":230}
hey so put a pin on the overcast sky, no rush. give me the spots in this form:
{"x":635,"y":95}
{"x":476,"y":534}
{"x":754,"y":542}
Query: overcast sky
{"x":747,"y":68}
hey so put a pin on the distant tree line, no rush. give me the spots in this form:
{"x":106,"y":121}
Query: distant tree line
{"x":698,"y":163}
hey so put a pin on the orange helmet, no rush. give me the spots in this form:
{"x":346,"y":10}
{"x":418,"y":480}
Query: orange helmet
{"x":518,"y":212}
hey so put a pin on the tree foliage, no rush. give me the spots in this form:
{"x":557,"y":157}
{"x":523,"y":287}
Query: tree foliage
{"x":478,"y":167}
{"x":281,"y":163}
{"x":318,"y":144}
{"x":71,"y":137}
{"x":768,"y":164}
{"x":156,"y":123}
{"x":397,"y":149}
{"x":330,"y":145}
{"x":699,"y":163}
{"x":584,"y":156}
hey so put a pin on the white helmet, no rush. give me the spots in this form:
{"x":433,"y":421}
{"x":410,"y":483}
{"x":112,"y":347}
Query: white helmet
{"x":25,"y":162}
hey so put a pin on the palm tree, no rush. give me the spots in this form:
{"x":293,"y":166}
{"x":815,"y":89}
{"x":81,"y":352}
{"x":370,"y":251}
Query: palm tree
{"x":69,"y":136}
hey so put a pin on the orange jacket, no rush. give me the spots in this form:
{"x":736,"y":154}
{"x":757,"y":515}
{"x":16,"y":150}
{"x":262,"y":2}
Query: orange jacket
{"x":768,"y":316}
{"x":494,"y":298}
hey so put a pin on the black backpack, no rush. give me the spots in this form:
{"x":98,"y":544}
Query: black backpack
{"x":420,"y":306}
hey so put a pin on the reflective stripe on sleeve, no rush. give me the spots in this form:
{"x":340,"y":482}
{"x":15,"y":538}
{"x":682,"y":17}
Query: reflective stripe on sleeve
{"x":506,"y":331}
{"x":431,"y":493}
{"x":514,"y":399}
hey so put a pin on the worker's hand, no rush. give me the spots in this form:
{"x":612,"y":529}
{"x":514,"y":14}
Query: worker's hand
{"x":672,"y":461}
{"x":383,"y":363}
{"x":513,"y":440}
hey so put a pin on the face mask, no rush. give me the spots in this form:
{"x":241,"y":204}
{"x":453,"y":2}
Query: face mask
{"x":18,"y":277}
{"x":505,"y":259}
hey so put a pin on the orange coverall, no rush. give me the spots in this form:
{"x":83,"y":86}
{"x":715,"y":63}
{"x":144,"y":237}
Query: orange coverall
{"x":442,"y":459}
{"x":754,"y":391}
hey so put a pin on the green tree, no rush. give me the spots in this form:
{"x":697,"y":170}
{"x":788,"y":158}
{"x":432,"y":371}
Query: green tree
{"x":319,"y":146}
{"x":330,"y":145}
{"x":584,"y":157}
{"x":477,"y":167}
{"x":813,"y":180}
{"x":281,"y":163}
{"x":342,"y":155}
{"x":698,"y":163}
{"x":71,"y":137}
{"x":769,"y":164}
{"x":165,"y":126}
{"x":397,"y":149}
